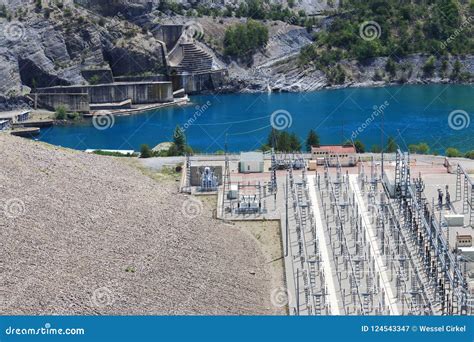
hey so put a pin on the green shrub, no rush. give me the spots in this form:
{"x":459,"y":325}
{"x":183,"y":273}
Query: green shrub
{"x":429,"y":67}
{"x":282,"y":141}
{"x":145,"y":151}
{"x":61,"y":113}
{"x":376,"y":149}
{"x":312,"y":140}
{"x":391,"y":67}
{"x":3,"y":11}
{"x":391,"y":145}
{"x":421,"y":148}
{"x":95,"y":79}
{"x":243,"y":40}
{"x":453,"y":152}
{"x":360,"y":147}
{"x":403,"y":27}
{"x":469,"y":154}
{"x":113,"y":154}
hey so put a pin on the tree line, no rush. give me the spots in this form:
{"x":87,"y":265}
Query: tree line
{"x":283,"y":141}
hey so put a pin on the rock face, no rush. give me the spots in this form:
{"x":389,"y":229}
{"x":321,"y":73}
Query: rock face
{"x":132,"y":8}
{"x":284,"y":74}
{"x":127,"y":8}
{"x":39,"y":52}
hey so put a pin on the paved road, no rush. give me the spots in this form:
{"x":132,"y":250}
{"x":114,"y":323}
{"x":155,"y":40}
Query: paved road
{"x":160,"y":162}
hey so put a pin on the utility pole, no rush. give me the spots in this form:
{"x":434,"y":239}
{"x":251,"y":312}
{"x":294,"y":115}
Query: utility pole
{"x":286,"y":220}
{"x":381,"y":142}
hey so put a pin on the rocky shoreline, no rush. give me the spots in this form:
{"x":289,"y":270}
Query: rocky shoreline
{"x":288,"y":77}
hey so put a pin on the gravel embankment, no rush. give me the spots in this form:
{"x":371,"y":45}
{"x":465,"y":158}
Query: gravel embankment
{"x":83,"y":234}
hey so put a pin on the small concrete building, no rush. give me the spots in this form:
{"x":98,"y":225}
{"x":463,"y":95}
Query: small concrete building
{"x":14,"y":116}
{"x":464,"y":240}
{"x":347,"y":155}
{"x":4,"y":124}
{"x":251,"y":162}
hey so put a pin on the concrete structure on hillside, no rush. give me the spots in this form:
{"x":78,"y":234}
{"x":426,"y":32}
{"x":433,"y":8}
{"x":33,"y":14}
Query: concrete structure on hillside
{"x":4,"y":124}
{"x":80,"y":98}
{"x":347,"y":155}
{"x":14,"y":116}
{"x":190,"y":66}
{"x":251,"y":162}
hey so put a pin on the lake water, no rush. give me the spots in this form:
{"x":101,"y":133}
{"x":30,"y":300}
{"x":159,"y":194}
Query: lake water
{"x":411,"y":114}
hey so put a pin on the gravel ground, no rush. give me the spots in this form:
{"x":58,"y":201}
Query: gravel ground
{"x":85,"y":234}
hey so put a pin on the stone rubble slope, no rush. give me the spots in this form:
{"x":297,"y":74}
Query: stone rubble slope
{"x":97,"y":236}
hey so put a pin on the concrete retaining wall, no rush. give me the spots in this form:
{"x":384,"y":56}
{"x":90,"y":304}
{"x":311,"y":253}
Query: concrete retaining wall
{"x":151,"y":78}
{"x":139,"y":93}
{"x":72,"y":102}
{"x":197,"y":83}
{"x":169,"y":34}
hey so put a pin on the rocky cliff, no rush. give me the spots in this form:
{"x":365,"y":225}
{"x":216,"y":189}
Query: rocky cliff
{"x":285,"y":74}
{"x":53,"y":46}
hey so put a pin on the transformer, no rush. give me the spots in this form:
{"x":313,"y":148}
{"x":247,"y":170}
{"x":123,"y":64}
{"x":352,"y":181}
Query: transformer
{"x":209,"y":180}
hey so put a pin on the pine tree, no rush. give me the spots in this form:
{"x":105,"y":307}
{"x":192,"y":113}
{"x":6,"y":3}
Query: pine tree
{"x":312,"y":140}
{"x":391,"y":145}
{"x":179,"y":140}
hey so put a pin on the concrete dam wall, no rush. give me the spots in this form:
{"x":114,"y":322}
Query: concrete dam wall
{"x":72,"y":102}
{"x":139,"y":93}
{"x":203,"y":82}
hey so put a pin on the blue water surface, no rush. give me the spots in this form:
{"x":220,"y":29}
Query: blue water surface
{"x":411,"y":114}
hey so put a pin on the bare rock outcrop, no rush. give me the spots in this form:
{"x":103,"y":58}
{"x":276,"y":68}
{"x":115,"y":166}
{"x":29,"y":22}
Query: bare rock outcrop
{"x":39,"y":51}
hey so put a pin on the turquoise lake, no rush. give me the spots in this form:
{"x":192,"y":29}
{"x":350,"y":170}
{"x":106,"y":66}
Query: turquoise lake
{"x":411,"y":114}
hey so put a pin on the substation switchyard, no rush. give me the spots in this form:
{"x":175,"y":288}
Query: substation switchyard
{"x":363,"y":244}
{"x":390,"y":236}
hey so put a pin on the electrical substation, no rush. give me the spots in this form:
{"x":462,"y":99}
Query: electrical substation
{"x":384,"y":237}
